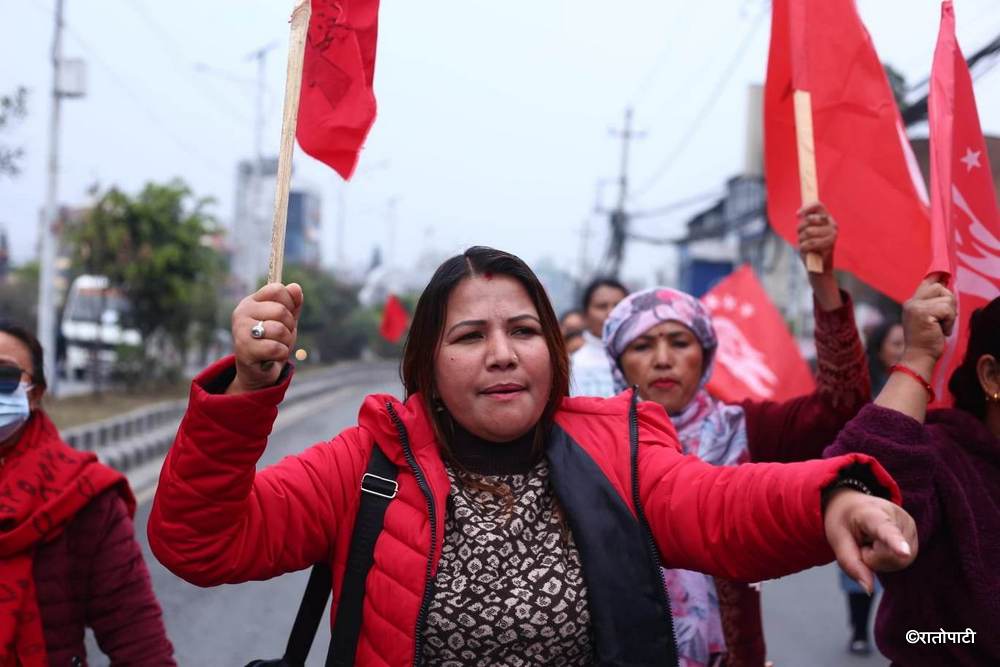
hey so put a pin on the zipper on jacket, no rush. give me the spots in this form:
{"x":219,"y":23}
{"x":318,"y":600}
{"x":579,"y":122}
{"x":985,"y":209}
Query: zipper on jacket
{"x":654,"y":552}
{"x":411,"y":460}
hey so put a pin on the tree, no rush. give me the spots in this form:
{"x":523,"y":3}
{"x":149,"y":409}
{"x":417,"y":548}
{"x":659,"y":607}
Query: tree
{"x":19,"y":295}
{"x":153,"y":247}
{"x":327,"y":323}
{"x":13,"y":107}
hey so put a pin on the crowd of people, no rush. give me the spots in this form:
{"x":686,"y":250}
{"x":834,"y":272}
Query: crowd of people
{"x":563,"y":490}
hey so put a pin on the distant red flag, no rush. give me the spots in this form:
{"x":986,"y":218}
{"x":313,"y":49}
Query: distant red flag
{"x":395,"y":319}
{"x":337,"y":102}
{"x":757,"y":356}
{"x":965,"y":218}
{"x":867,"y":175}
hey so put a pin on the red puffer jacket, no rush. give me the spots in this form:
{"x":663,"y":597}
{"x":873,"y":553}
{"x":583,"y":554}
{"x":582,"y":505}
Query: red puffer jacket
{"x":215,"y":520}
{"x":94,"y":574}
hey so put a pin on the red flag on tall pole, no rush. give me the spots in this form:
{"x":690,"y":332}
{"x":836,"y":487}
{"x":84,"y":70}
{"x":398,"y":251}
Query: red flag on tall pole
{"x":757,"y":356}
{"x":395,"y":319}
{"x":865,"y":171}
{"x":965,"y":220}
{"x":337,"y":102}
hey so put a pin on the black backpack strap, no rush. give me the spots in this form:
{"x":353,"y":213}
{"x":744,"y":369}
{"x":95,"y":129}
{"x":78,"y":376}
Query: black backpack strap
{"x":310,"y":614}
{"x":378,"y":488}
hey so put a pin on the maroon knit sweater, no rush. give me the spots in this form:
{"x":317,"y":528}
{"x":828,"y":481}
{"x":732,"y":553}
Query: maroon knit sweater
{"x":93,"y":575}
{"x":949,"y":473}
{"x":796,"y":430}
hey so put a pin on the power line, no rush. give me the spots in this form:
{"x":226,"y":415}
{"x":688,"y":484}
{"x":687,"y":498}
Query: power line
{"x":178,"y":57}
{"x":672,"y":207}
{"x":710,"y":102}
{"x":661,"y":59}
{"x":136,"y":97}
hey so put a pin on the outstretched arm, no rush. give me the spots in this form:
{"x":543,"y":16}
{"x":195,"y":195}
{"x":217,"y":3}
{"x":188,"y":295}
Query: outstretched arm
{"x":760,"y":521}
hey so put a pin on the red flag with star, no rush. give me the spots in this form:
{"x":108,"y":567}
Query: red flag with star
{"x":965,"y":221}
{"x":757,"y":356}
{"x":866,"y":173}
{"x":395,"y":319}
{"x":337,"y":102}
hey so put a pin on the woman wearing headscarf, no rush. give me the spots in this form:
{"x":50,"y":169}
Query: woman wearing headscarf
{"x":68,"y":555}
{"x":946,"y":609}
{"x":527,"y":527}
{"x":662,"y":341}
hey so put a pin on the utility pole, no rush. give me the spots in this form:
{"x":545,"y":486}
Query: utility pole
{"x":584,"y":260}
{"x":50,"y":218}
{"x":390,"y":223}
{"x":619,"y":217}
{"x":341,"y":224}
{"x":259,"y":220}
{"x":260,"y":55}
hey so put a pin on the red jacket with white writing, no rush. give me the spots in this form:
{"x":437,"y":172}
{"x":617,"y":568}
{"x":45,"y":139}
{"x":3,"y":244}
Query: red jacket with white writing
{"x":630,"y":498}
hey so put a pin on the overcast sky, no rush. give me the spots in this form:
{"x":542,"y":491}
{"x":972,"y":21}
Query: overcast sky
{"x":493,"y":122}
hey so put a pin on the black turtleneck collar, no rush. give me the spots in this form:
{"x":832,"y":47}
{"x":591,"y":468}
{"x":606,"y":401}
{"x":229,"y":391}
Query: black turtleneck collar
{"x":485,"y":457}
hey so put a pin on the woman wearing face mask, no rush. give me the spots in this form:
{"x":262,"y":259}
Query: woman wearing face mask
{"x":662,"y":341}
{"x":528,"y":527}
{"x":68,"y":555}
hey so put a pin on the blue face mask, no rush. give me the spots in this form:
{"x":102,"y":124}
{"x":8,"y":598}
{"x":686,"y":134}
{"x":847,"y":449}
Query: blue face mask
{"x":14,"y":411}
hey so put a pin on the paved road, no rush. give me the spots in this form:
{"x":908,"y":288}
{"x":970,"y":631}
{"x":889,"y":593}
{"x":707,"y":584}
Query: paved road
{"x":805,"y":615}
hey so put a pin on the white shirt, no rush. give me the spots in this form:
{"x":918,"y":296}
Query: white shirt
{"x":590,"y":369}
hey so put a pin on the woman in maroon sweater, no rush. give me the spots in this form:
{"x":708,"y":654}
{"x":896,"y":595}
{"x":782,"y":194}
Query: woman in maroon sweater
{"x":663,"y":341}
{"x":947,"y":463}
{"x":68,"y":555}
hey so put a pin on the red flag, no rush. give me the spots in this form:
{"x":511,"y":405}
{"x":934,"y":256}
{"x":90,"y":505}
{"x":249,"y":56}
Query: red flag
{"x":757,"y":356}
{"x":965,"y":219}
{"x":337,"y":102}
{"x":395,"y":319}
{"x":867,"y":174}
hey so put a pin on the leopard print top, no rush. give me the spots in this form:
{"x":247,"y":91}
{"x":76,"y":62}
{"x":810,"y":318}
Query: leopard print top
{"x":509,"y":589}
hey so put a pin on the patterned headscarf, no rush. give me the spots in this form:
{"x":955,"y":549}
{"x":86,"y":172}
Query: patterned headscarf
{"x":641,"y":311}
{"x":713,"y":431}
{"x":709,"y":429}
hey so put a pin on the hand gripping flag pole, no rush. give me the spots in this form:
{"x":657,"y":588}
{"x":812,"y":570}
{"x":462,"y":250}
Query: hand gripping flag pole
{"x":289,"y":120}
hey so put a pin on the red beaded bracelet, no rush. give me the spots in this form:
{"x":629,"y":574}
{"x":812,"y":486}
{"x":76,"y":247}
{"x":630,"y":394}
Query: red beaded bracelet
{"x":906,"y":370}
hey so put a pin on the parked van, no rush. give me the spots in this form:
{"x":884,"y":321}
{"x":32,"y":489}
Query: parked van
{"x":94,"y":325}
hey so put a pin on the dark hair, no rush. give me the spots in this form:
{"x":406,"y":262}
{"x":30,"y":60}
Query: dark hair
{"x":595,"y":284}
{"x":984,"y":338}
{"x":873,"y":348}
{"x":34,"y":347}
{"x":566,"y":314}
{"x":427,"y":329}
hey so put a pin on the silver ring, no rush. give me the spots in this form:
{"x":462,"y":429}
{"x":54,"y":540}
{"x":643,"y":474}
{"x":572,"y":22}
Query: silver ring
{"x":257,"y":330}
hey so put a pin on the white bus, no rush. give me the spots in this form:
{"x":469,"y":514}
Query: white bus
{"x":93,"y":327}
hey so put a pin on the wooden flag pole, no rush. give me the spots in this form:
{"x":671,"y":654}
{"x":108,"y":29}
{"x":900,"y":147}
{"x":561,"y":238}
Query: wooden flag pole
{"x":808,"y":181}
{"x":289,"y":120}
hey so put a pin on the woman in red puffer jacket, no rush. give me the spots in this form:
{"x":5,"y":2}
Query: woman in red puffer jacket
{"x":528,"y":527}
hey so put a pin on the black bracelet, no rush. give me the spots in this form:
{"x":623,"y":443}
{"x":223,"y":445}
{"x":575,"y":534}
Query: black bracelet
{"x":850,"y":483}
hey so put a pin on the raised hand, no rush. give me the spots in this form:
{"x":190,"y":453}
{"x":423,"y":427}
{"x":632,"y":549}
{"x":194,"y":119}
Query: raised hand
{"x":928,"y":318}
{"x":868,"y":534}
{"x":265,"y":325}
{"x":818,"y":235}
